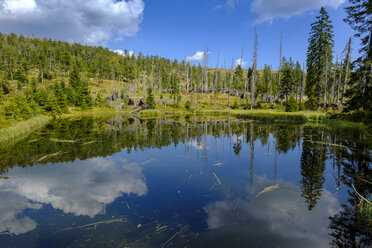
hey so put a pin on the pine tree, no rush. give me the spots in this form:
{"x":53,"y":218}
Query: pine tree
{"x":150,"y":100}
{"x":360,"y":91}
{"x":292,"y":104}
{"x":84,"y":99}
{"x":74,"y":81}
{"x":61,"y":98}
{"x":287,"y":83}
{"x":319,"y":55}
{"x":175,"y":93}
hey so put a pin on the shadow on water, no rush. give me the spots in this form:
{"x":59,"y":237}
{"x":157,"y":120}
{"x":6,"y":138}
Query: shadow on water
{"x":186,"y":182}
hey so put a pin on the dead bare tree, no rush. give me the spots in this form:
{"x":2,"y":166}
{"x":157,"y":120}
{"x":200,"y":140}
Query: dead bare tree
{"x":254,"y":68}
{"x":347,"y":64}
{"x":280,"y":62}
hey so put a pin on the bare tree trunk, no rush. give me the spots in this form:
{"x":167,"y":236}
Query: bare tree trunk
{"x":271,"y":85}
{"x":253,"y":89}
{"x":325,"y":73}
{"x":230,"y":81}
{"x":346,"y":71}
{"x":302,"y":84}
{"x":280,"y":63}
{"x":333,"y":84}
{"x":339,"y":84}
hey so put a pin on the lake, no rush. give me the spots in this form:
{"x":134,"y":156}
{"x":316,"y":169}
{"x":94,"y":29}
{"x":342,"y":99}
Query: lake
{"x":128,"y":182}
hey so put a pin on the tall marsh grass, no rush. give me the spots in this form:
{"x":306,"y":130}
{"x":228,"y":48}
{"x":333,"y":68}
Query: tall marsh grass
{"x":267,"y":115}
{"x":21,"y":129}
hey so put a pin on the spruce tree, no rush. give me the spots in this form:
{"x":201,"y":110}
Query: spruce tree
{"x":319,"y":55}
{"x":150,"y":100}
{"x":61,"y":98}
{"x":360,"y":90}
{"x":83,"y":98}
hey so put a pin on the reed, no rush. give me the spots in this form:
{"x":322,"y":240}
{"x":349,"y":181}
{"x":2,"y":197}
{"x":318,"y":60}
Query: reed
{"x":21,"y":129}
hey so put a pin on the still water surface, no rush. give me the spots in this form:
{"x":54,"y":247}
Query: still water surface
{"x":122,"y":182}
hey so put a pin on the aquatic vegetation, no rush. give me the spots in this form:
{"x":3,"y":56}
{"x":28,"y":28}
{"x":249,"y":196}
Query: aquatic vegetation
{"x":22,"y":129}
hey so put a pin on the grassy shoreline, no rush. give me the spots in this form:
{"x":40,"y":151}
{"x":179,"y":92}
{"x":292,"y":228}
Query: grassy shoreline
{"x":21,"y":129}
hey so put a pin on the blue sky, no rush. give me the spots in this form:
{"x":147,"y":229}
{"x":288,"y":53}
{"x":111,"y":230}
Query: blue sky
{"x":176,"y":29}
{"x":180,"y":28}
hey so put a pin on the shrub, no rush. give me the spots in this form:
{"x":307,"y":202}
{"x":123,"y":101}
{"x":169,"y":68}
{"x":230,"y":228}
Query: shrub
{"x":188,"y":105}
{"x":292,"y":105}
{"x":235,"y":105}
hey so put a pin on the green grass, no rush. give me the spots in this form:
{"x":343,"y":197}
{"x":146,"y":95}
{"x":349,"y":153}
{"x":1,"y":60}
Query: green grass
{"x":22,"y":129}
{"x":151,"y":113}
{"x":267,"y":115}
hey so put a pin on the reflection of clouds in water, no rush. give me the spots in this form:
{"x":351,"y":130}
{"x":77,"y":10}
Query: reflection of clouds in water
{"x":82,"y":188}
{"x":11,"y":205}
{"x":280,"y":217}
{"x":197,"y":145}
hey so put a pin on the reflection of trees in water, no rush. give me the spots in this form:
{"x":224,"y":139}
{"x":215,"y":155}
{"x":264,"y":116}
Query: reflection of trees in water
{"x":313,"y":159}
{"x":352,"y":227}
{"x":68,"y":140}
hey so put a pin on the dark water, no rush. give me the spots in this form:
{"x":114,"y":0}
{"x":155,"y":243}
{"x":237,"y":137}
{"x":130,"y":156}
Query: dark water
{"x":185,"y":183}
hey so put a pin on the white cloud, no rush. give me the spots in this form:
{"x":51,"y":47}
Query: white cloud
{"x":268,"y":10}
{"x":85,"y":188}
{"x":198,"y":56}
{"x":124,"y":52}
{"x":241,"y":62}
{"x":87,"y":21}
{"x":197,"y":145}
{"x":229,"y":4}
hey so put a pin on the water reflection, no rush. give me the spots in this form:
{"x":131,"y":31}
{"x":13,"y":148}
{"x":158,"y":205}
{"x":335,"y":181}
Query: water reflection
{"x":275,"y":218}
{"x":200,"y":179}
{"x":83,"y":188}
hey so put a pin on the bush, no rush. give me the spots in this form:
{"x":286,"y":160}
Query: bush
{"x":311,"y":103}
{"x":188,"y":105}
{"x":235,"y":105}
{"x":292,"y":105}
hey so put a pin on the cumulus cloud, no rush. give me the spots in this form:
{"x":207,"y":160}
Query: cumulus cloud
{"x":241,"y":62}
{"x":277,"y":217}
{"x":229,"y":4}
{"x":268,"y":10}
{"x":198,"y":56}
{"x":124,"y":52}
{"x":86,"y":21}
{"x":84,"y":188}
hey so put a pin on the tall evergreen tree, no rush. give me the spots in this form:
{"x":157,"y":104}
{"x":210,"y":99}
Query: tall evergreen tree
{"x":150,"y":99}
{"x":319,"y":55}
{"x":359,"y":18}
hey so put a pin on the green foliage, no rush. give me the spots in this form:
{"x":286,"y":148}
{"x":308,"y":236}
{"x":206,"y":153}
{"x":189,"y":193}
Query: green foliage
{"x":20,"y":76}
{"x":84,"y":99}
{"x":5,"y":86}
{"x":74,"y":81}
{"x":150,"y":99}
{"x":235,"y":105}
{"x":21,"y":107}
{"x":174,"y":91}
{"x":311,"y":103}
{"x":360,"y":85}
{"x":319,"y":55}
{"x":61,"y":99}
{"x":188,"y":105}
{"x":292,"y":104}
{"x":99,"y":101}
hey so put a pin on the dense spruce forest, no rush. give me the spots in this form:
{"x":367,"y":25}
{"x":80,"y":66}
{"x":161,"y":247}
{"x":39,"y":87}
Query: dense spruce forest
{"x":44,"y":76}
